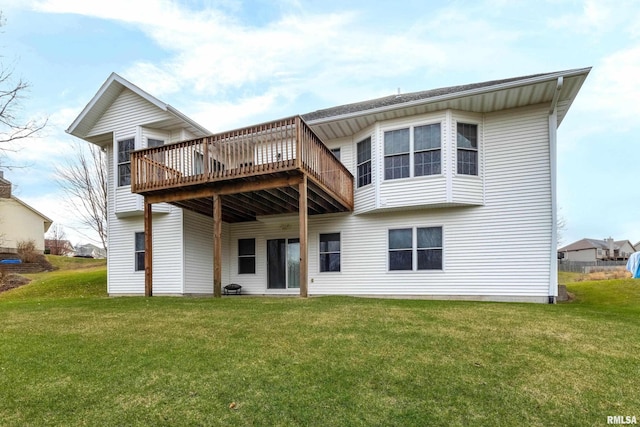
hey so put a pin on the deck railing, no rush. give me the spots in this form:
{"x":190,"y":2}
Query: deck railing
{"x":268,"y":148}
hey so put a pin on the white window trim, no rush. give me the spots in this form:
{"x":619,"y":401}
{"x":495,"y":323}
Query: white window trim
{"x":254,"y":256}
{"x":355,"y":157}
{"x":117,"y":139}
{"x":454,"y":146}
{"x":339,"y":233}
{"x":414,"y":249}
{"x":136,"y":252}
{"x":411,"y":126}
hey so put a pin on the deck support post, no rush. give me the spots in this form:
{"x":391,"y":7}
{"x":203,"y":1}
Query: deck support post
{"x":302,"y":208}
{"x":217,"y":246}
{"x":148,"y":249}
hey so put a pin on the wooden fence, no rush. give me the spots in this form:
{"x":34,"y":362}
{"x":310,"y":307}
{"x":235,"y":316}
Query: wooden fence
{"x":589,"y":266}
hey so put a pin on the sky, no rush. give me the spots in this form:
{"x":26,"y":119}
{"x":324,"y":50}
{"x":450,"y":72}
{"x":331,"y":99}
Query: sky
{"x":232,"y":63}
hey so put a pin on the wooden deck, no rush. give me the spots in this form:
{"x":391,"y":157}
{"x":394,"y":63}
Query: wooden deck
{"x":255,"y":171}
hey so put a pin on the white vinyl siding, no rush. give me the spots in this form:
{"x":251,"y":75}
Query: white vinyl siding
{"x":167,"y":255}
{"x":497,"y":249}
{"x":487,"y":253}
{"x":128,"y":111}
{"x":124,"y":119}
{"x":417,"y":191}
{"x":198,"y":244}
{"x":139,"y":251}
{"x":585,"y":255}
{"x":467,"y":189}
{"x":17,"y":222}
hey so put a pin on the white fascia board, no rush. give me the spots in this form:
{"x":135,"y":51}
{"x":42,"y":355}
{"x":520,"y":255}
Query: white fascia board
{"x":455,"y":95}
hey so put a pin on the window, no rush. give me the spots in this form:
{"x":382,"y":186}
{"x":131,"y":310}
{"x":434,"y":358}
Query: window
{"x":396,"y":154}
{"x":125,"y":147}
{"x":421,"y":152}
{"x":426,"y":146}
{"x":139,"y":251}
{"x":429,"y":248}
{"x":401,"y":249}
{"x":330,"y":252}
{"x":336,"y":152}
{"x":424,"y":249}
{"x":246,"y":256}
{"x":467,"y":140}
{"x":152,"y":143}
{"x":364,"y":162}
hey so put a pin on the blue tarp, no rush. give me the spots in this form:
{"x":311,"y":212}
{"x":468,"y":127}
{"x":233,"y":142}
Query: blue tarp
{"x":633,"y":265}
{"x":10,"y":261}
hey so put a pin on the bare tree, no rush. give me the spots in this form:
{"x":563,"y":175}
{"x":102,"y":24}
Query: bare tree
{"x":12,"y":126}
{"x":83,"y":178}
{"x":561,"y":227}
{"x":56,"y":241}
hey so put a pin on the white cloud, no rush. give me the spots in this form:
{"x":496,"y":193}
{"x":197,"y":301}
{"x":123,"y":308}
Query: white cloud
{"x":213,"y":55}
{"x":595,"y":16}
{"x":614,"y":89}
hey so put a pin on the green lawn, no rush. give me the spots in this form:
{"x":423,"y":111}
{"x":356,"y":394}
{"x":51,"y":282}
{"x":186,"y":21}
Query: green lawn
{"x":71,"y":356}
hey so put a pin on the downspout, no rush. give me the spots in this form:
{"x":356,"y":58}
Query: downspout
{"x":553,"y":128}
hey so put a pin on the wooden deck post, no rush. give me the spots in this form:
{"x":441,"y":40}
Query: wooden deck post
{"x":302,"y":208}
{"x":217,"y":246}
{"x":148,"y":249}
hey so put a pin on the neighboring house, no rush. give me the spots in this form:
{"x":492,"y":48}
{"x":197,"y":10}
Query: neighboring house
{"x":445,"y":193}
{"x":637,"y":247}
{"x":58,"y":247}
{"x":589,"y":250}
{"x":90,"y":251}
{"x":19,"y":221}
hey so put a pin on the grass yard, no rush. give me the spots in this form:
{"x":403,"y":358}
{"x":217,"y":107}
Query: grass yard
{"x":71,"y":356}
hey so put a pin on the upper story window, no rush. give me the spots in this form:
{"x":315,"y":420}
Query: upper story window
{"x":152,"y":143}
{"x":125,"y":147}
{"x":427,"y":150}
{"x":417,"y":149}
{"x":336,"y":152}
{"x":467,"y":141}
{"x":396,"y":154}
{"x":363,"y":149}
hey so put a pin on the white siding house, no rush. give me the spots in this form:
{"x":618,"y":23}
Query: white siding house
{"x":19,"y":222}
{"x":449,"y":193}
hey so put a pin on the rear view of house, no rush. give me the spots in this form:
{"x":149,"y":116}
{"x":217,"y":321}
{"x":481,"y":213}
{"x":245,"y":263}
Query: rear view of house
{"x":445,"y":193}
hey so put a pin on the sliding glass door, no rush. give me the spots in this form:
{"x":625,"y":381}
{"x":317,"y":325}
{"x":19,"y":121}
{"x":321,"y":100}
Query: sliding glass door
{"x":283,"y":263}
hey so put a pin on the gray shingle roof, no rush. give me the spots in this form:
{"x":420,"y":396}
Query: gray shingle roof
{"x":406,"y":97}
{"x":591,"y":244}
